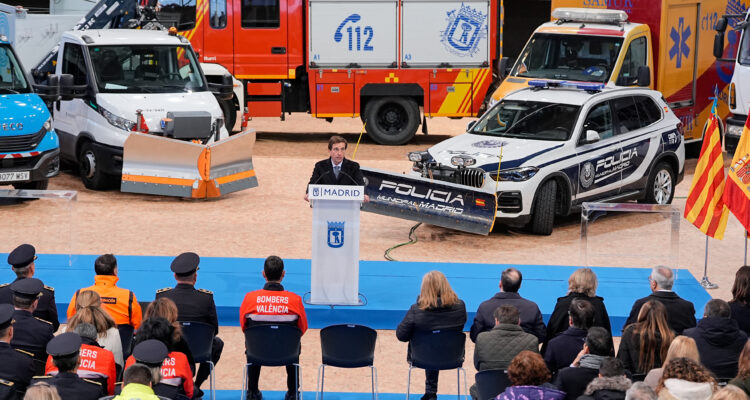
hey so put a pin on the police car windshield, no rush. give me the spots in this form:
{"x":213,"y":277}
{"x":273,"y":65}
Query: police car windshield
{"x":12,"y":78}
{"x":572,"y":57}
{"x":146,"y":69}
{"x":528,"y":120}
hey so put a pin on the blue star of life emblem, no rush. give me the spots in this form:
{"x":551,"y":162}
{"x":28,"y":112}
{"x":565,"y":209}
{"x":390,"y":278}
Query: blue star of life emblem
{"x":335,"y":234}
{"x":680,"y":47}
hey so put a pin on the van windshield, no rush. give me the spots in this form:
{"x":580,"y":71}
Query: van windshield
{"x":573,"y":57}
{"x":744,"y":58}
{"x":12,"y":78}
{"x":528,"y":120}
{"x":146,"y":69}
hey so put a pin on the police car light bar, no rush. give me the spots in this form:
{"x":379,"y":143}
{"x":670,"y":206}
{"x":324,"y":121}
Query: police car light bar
{"x":589,"y":87}
{"x":590,"y":15}
{"x":3,"y":38}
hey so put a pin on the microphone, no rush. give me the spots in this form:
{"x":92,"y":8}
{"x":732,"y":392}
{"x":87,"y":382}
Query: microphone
{"x":350,"y":177}
{"x":317,"y":180}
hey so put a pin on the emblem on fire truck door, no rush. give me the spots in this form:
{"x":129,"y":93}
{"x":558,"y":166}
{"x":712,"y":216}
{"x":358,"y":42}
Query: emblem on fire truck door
{"x":466,"y":29}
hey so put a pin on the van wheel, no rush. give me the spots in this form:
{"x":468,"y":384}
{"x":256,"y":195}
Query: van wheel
{"x":91,"y":175}
{"x":543,"y":215}
{"x":36,"y":185}
{"x":660,"y":187}
{"x":392,"y":120}
{"x":230,"y":114}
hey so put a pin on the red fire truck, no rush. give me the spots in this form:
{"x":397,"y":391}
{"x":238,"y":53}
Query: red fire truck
{"x":390,"y":62}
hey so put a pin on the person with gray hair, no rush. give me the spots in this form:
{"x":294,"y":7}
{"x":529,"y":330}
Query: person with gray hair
{"x":719,"y":339}
{"x":640,"y":391}
{"x":680,"y":312}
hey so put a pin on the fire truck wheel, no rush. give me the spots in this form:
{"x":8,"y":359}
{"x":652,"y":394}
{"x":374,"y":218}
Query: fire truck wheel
{"x":392,"y":120}
{"x":230,"y":114}
{"x":36,"y":185}
{"x":91,"y":175}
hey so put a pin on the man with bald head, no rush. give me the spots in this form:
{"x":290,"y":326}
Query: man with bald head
{"x":680,"y":312}
{"x":531,"y":317}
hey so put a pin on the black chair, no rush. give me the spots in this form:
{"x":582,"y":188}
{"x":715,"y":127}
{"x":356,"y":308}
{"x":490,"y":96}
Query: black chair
{"x":491,"y":382}
{"x":271,"y":346}
{"x":126,"y":339}
{"x":200,"y":339}
{"x":347,"y":346}
{"x":438,"y":350}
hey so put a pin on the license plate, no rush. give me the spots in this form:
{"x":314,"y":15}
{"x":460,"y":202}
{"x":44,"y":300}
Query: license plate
{"x":14,"y":176}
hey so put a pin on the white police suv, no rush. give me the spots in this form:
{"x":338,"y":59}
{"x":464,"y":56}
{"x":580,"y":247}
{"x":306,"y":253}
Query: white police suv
{"x":548,"y":148}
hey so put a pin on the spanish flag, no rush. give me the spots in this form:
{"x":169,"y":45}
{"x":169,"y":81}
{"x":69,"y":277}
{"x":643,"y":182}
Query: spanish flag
{"x":705,"y":206}
{"x":737,"y":193}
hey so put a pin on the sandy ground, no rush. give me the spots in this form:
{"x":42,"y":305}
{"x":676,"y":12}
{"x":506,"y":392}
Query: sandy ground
{"x":274,"y":219}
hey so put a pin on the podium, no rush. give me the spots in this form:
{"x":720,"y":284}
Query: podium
{"x":335,"y":244}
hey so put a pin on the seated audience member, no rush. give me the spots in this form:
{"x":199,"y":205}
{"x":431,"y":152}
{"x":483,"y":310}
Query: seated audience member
{"x":496,"y":348}
{"x":564,"y":348}
{"x":682,"y":346}
{"x":531,"y":317}
{"x":644,"y":344}
{"x":581,"y":285}
{"x":175,"y":369}
{"x":96,"y":363}
{"x":16,"y":366}
{"x":611,"y":383}
{"x":742,"y":380}
{"x":640,"y":391}
{"x":740,"y":303}
{"x":137,"y":384}
{"x":41,"y":391}
{"x":437,"y":308}
{"x":166,"y":308}
{"x":120,"y":303}
{"x":685,"y":379}
{"x":680,"y":312}
{"x":719,"y":340}
{"x":30,"y":334}
{"x":22,"y":262}
{"x":89,"y":311}
{"x":65,"y":349}
{"x":574,"y":379}
{"x":259,"y":308}
{"x":730,"y":392}
{"x":529,"y":379}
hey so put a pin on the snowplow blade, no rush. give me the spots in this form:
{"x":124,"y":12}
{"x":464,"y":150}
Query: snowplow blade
{"x":445,"y":204}
{"x":169,"y":167}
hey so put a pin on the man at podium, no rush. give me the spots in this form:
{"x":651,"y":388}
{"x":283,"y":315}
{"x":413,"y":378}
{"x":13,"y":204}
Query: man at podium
{"x":337,"y":170}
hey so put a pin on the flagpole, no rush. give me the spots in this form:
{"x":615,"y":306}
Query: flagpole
{"x":745,"y":263}
{"x":704,"y":281}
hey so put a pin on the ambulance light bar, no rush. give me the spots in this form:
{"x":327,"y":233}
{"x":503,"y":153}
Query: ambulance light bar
{"x":600,"y":16}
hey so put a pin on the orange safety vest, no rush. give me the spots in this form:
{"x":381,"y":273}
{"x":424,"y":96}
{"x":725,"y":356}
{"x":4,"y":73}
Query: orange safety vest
{"x":175,"y":370}
{"x":96,"y":363}
{"x":120,"y":303}
{"x":259,"y":305}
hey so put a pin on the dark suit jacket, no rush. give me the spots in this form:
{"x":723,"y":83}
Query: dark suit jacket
{"x":680,"y":312}
{"x":349,"y":175}
{"x":46,"y":310}
{"x":531,"y":317}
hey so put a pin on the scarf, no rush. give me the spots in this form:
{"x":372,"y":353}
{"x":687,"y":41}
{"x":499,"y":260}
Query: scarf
{"x":591,"y":361}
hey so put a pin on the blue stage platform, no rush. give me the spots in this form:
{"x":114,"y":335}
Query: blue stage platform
{"x":390,"y":287}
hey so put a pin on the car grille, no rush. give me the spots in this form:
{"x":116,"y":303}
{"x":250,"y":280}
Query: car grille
{"x":21,"y":142}
{"x":470,"y":177}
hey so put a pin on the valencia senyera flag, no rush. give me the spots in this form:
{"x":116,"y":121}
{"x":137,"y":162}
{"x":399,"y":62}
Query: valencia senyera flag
{"x":705,"y":206}
{"x":737,"y":191}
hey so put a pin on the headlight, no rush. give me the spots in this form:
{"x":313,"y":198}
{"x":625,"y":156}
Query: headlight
{"x":463,"y":160}
{"x":418,"y":156}
{"x":515,"y":174}
{"x":118,"y":122}
{"x":48,"y":124}
{"x":734,"y":130}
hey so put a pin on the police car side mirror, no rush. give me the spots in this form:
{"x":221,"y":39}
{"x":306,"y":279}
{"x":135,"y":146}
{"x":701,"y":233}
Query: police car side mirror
{"x":470,"y":125}
{"x":592,"y":136}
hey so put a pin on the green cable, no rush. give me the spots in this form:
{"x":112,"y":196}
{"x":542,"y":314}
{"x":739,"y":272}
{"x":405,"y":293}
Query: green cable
{"x":412,"y":240}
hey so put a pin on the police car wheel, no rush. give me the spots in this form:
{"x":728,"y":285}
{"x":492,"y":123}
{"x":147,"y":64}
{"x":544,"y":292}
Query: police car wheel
{"x":91,"y":175}
{"x":660,"y":189}
{"x":543,"y":215}
{"x":392,"y":120}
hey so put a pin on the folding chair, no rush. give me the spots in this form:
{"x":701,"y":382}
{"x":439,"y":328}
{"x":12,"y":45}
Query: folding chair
{"x":200,"y":339}
{"x":347,"y":346}
{"x":271,"y":346}
{"x":491,"y":382}
{"x":438,"y":350}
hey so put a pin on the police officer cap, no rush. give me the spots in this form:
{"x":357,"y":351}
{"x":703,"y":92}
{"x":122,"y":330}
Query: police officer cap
{"x":185,"y":263}
{"x":65,"y":344}
{"x":6,"y":315}
{"x":22,"y":256}
{"x":150,"y":352}
{"x":27,"y":287}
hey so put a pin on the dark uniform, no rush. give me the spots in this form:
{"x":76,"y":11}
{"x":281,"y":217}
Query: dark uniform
{"x":30,"y":333}
{"x":16,"y":366}
{"x":8,"y":390}
{"x":195,"y":305}
{"x":68,"y":384}
{"x":21,"y":257}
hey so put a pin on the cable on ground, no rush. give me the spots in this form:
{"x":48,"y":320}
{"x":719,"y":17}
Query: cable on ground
{"x":412,"y":240}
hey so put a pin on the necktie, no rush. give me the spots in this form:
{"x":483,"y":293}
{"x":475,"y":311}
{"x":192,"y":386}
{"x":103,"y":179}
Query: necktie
{"x":336,"y":170}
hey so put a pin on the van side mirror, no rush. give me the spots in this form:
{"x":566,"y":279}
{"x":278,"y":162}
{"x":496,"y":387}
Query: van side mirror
{"x":644,"y":76}
{"x":60,"y":87}
{"x":223,"y":90}
{"x":719,"y":45}
{"x":592,"y":136}
{"x":721,"y":25}
{"x":502,"y":68}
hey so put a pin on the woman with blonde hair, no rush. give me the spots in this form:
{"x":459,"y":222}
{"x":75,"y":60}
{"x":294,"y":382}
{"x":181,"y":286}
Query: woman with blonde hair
{"x":437,"y":308}
{"x":685,"y":379}
{"x":166,"y":308}
{"x":582,"y":284}
{"x":89,"y":310}
{"x":682,"y":346}
{"x":41,"y":391}
{"x":742,"y":380}
{"x":644,"y":344}
{"x":730,"y":392}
